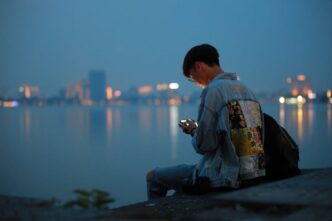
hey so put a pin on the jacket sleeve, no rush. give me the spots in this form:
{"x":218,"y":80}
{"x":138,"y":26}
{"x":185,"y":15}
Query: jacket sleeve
{"x":205,"y":138}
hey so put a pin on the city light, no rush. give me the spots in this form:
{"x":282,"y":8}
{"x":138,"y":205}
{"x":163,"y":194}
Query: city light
{"x":162,"y":87}
{"x":27,"y":92}
{"x":312,"y":95}
{"x":86,"y":102}
{"x":144,"y":90}
{"x":291,"y":100}
{"x":295,"y":91}
{"x":95,"y":91}
{"x":173,"y":86}
{"x":109,"y":93}
{"x":117,"y":93}
{"x":282,"y":100}
{"x":329,"y":93}
{"x":300,"y":99}
{"x":9,"y":103}
{"x":301,"y":77}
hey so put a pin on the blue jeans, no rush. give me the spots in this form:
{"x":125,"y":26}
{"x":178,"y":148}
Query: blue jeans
{"x":161,"y":180}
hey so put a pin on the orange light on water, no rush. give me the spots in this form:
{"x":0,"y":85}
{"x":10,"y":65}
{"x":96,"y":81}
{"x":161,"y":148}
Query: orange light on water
{"x":174,"y":101}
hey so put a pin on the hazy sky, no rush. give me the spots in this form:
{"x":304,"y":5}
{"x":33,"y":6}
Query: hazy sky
{"x":52,"y":43}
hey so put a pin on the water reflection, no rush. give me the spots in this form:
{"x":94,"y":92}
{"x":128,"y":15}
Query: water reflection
{"x":329,"y":118}
{"x":300,"y":122}
{"x":160,"y":119}
{"x":117,"y":119}
{"x":174,"y":129}
{"x":145,"y":119}
{"x":27,"y":124}
{"x":98,"y":128}
{"x":80,"y":139}
{"x":109,"y":123}
{"x":311,"y":113}
{"x":77,"y":123}
{"x":282,"y":115}
{"x":300,"y":119}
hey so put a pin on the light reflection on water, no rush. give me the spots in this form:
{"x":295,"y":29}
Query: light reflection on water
{"x":53,"y":150}
{"x":310,"y":126}
{"x":282,"y":115}
{"x":109,"y":121}
{"x":329,"y":118}
{"x":27,"y":124}
{"x":174,"y":129}
{"x":300,"y":117}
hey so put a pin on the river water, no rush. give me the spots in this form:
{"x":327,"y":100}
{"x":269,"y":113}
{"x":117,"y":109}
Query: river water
{"x":50,"y":151}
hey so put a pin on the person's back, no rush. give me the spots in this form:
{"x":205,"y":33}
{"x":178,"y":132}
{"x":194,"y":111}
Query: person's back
{"x":230,"y":112}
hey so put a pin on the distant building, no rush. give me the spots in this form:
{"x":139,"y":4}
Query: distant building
{"x":97,"y":79}
{"x":78,"y":91}
{"x":300,"y":85}
{"x":28,"y":91}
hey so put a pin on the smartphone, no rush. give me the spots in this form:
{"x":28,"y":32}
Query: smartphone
{"x":183,"y":122}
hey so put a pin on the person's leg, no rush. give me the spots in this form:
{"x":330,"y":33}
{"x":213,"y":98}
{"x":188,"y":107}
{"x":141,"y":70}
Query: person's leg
{"x":160,"y":180}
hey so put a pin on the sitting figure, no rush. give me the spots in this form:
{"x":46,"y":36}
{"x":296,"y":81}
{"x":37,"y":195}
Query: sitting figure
{"x":228,"y":133}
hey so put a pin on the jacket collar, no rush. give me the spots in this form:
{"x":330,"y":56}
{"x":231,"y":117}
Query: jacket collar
{"x":224,"y":75}
{"x":227,"y":76}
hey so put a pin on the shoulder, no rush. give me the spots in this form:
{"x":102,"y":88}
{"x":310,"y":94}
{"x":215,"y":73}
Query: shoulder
{"x":212,"y":97}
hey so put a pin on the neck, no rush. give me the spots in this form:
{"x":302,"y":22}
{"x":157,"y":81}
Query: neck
{"x":214,"y":72}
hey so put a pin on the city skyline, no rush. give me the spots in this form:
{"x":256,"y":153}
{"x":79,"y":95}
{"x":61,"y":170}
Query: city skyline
{"x":94,"y":87}
{"x":72,"y":89}
{"x":53,"y":44}
{"x":94,"y":90}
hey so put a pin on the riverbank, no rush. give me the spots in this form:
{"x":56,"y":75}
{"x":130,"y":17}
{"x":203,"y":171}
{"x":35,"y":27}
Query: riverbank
{"x":304,"y":197}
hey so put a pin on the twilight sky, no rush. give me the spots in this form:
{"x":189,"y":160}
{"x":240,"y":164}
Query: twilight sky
{"x":54,"y":43}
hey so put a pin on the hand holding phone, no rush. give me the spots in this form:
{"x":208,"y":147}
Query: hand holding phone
{"x":188,"y":126}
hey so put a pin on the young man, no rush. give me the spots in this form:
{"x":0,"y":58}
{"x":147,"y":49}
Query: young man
{"x":229,"y":135}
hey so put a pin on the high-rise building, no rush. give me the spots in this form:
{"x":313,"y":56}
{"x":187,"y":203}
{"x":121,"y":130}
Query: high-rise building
{"x":97,"y":79}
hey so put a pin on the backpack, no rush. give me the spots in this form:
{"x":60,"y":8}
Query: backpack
{"x":280,"y":150}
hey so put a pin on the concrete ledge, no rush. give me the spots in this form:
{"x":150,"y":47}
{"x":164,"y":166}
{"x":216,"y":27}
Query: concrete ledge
{"x":304,"y":197}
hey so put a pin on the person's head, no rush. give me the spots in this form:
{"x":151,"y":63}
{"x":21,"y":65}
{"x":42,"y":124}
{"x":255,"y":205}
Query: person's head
{"x":201,"y":64}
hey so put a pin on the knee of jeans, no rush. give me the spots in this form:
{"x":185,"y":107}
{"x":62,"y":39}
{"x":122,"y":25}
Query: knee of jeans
{"x":150,"y":175}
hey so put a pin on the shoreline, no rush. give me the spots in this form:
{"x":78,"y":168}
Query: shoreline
{"x":304,"y":197}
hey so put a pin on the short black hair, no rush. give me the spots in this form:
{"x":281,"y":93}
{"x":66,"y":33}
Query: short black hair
{"x":204,"y":52}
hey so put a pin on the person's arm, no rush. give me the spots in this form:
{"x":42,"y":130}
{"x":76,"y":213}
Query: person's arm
{"x":205,"y":138}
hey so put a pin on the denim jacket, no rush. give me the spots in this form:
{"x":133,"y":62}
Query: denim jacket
{"x":229,"y":133}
